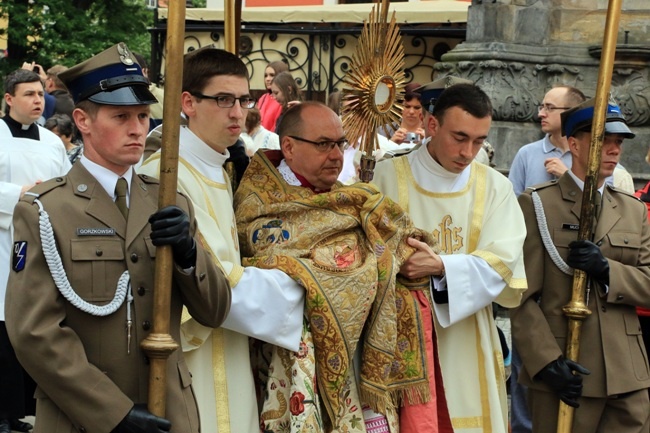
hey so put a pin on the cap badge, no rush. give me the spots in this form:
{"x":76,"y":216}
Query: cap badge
{"x":125,"y":55}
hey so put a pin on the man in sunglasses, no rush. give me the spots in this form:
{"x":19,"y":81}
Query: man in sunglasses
{"x":266,"y":304}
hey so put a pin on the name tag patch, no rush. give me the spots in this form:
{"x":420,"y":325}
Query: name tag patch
{"x":569,"y":226}
{"x":101,"y":231}
{"x":19,"y":256}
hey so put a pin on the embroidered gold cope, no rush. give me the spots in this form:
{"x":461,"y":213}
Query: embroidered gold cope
{"x":345,"y":247}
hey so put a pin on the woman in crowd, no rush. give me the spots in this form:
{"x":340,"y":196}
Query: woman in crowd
{"x":411,"y":128}
{"x":269,"y":108}
{"x":62,"y":125}
{"x":256,"y":135}
{"x":285,"y":90}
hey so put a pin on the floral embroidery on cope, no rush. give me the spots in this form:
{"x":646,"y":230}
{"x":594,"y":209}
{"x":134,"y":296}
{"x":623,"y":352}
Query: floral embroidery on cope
{"x":345,"y":248}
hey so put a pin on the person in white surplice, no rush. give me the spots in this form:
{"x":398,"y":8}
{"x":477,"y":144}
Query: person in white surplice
{"x":29,"y":154}
{"x":472,"y":211}
{"x":266,"y":304}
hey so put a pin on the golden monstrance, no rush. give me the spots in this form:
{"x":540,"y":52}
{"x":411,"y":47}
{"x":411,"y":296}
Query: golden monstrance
{"x":374,"y":89}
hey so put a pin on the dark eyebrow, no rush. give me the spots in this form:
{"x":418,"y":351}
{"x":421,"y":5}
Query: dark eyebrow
{"x":466,"y":135}
{"x":324,"y":138}
{"x":245,"y":95}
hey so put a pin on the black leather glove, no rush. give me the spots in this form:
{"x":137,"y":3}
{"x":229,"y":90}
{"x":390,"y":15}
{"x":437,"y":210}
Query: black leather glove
{"x":140,"y":420}
{"x":171,"y":226}
{"x":239,"y":159}
{"x":558,"y":375}
{"x":586,"y":256}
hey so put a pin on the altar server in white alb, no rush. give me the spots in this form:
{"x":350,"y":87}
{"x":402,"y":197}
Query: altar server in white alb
{"x":472,"y":211}
{"x":266,"y":304}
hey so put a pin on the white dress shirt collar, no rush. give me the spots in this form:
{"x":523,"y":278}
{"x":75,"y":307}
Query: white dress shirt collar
{"x":106,"y":178}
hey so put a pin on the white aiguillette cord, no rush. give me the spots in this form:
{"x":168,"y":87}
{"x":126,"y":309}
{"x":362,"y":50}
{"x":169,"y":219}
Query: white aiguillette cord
{"x":548,"y":242}
{"x":63,"y":284}
{"x":546,"y":236}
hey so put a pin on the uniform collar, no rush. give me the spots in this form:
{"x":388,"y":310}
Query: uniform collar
{"x":581,"y":183}
{"x":106,"y":178}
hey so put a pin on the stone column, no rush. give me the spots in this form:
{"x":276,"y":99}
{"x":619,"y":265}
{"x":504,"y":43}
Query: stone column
{"x":516,"y":50}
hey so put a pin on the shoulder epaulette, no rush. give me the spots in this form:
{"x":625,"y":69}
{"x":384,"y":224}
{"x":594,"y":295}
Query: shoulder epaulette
{"x":622,"y":191}
{"x":542,"y":185}
{"x":148,"y":179}
{"x":43,"y":188}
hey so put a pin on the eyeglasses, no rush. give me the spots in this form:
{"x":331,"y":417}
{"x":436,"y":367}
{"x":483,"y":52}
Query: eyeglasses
{"x":549,"y":108}
{"x":228,"y":101}
{"x":326,"y":145}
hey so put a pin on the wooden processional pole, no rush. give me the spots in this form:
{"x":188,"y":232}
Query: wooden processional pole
{"x":231,"y":25}
{"x":576,"y":310}
{"x":160,"y":344}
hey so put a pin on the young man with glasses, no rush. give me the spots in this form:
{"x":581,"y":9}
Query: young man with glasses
{"x":266,"y":304}
{"x":548,"y":158}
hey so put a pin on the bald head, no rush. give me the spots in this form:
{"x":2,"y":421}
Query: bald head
{"x":312,"y":141}
{"x":556,"y":101}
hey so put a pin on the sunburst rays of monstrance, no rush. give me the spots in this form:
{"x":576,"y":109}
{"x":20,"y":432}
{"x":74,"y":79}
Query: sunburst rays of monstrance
{"x":374,"y":89}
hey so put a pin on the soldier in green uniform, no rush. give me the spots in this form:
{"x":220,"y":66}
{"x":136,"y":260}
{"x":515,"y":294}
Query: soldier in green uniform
{"x":80,"y":295}
{"x":609,"y":381}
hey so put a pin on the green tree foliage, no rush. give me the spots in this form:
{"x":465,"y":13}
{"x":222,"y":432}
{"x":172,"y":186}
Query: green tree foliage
{"x":67,"y":32}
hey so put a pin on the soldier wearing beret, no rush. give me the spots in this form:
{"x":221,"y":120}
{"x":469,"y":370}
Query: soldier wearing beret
{"x":608,"y":383}
{"x":81,"y":283}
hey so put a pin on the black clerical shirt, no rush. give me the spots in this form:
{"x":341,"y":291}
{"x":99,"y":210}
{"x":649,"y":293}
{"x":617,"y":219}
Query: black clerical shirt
{"x":19,"y":130}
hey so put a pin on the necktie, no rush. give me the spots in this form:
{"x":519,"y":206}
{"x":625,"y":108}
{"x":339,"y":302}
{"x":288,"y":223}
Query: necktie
{"x":121,"y":190}
{"x":597,"y":205}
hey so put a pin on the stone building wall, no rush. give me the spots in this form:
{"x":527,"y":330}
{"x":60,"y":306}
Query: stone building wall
{"x":516,"y":50}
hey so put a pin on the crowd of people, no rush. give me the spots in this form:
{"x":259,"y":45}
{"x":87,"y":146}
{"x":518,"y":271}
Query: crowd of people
{"x":301,"y":300}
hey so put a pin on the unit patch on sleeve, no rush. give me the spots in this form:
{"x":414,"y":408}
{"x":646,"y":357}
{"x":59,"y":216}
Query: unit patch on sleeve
{"x":19,"y":256}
